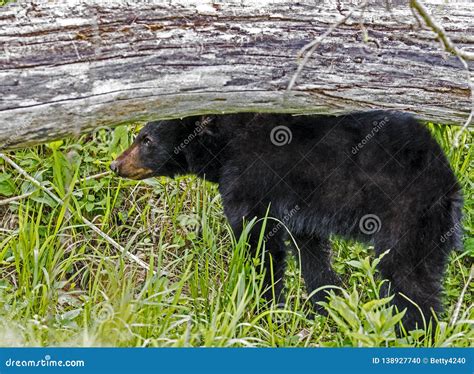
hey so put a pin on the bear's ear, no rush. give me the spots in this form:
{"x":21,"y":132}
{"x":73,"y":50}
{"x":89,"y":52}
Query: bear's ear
{"x":206,"y":126}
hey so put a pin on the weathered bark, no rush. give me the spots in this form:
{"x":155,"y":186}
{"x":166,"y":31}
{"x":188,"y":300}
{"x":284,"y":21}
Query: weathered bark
{"x":68,"y":67}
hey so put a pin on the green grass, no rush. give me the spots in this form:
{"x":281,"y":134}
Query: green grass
{"x":63,"y":284}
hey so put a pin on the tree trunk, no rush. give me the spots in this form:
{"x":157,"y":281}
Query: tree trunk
{"x":69,"y":67}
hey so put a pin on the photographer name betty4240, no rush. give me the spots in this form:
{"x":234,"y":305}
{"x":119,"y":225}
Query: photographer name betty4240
{"x":419,"y":360}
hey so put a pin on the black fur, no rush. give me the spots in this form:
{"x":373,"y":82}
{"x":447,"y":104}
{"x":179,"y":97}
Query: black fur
{"x":335,"y":173}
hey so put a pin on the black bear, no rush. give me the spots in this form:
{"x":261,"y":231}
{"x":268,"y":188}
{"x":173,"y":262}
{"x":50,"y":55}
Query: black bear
{"x":376,"y":176}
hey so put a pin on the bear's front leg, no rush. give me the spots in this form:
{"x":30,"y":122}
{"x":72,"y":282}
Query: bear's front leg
{"x":314,"y":255}
{"x":274,"y":256}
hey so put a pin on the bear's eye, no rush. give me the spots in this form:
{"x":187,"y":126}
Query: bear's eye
{"x":146,"y":141}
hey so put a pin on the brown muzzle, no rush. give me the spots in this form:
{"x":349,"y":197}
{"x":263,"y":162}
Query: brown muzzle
{"x":128,"y":165}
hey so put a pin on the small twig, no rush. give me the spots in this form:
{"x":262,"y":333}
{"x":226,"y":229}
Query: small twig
{"x":451,"y":48}
{"x":311,"y":47}
{"x":15,"y":198}
{"x":96,"y":176}
{"x":29,"y":177}
{"x":416,"y":17}
{"x":75,"y":48}
{"x":88,"y":223}
{"x":439,"y":30}
{"x":461,"y":297}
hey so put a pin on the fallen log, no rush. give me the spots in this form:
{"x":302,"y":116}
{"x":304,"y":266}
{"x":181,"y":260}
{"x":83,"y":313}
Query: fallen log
{"x":69,"y":67}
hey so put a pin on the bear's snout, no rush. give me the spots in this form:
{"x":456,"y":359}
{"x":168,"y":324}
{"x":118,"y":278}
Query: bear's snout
{"x":128,"y":165}
{"x":114,"y":166}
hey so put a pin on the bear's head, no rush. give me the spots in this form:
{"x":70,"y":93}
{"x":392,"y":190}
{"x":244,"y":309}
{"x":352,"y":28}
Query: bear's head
{"x":153,"y":152}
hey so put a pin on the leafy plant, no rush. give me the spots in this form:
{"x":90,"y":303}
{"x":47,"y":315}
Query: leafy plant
{"x":62,"y":283}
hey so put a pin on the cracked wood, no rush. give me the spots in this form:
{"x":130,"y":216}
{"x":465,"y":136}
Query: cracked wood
{"x":71,"y":67}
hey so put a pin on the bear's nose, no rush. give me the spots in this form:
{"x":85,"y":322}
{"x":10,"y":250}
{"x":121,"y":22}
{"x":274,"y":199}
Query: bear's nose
{"x":114,"y":167}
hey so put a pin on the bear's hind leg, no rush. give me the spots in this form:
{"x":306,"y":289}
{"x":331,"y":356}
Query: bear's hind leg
{"x":415,"y":273}
{"x":419,"y":253}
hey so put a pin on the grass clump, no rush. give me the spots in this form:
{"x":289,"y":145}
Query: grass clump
{"x":62,"y":283}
